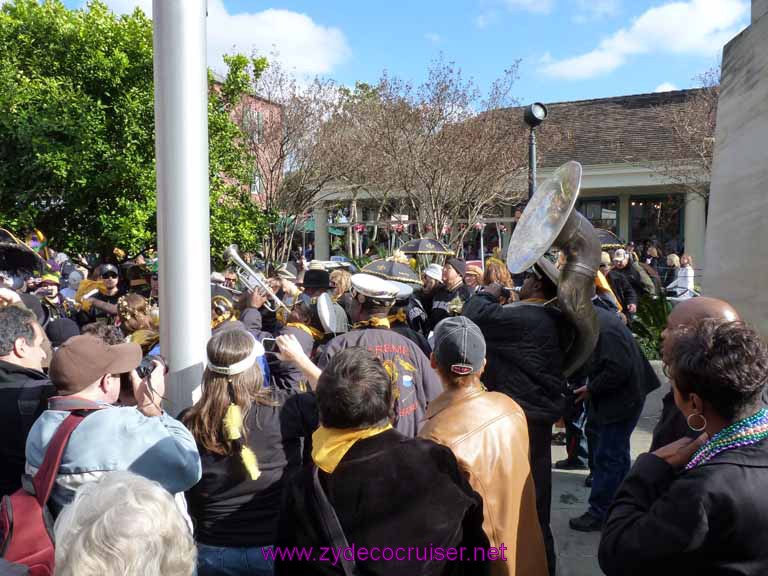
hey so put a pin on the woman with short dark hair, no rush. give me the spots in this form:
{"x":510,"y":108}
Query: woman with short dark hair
{"x":388,"y":492}
{"x":699,"y":506}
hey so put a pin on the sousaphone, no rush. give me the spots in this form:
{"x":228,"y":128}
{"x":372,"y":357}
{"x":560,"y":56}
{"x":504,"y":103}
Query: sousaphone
{"x":550,"y":221}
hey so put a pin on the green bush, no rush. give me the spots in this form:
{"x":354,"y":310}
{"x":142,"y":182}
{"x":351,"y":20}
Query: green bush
{"x":649,"y":323}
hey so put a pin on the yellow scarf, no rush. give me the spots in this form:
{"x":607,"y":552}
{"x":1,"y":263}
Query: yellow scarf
{"x":400,"y":316}
{"x":375,"y":322}
{"x":329,"y":445}
{"x":314,"y":332}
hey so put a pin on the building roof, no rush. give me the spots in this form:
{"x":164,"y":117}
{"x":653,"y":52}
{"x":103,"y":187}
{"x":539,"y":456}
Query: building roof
{"x":610,"y":130}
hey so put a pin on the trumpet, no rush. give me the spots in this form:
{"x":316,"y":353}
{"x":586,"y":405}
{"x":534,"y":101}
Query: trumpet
{"x":251,"y":279}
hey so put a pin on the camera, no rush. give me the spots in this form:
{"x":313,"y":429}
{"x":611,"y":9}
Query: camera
{"x":148,"y":364}
{"x":270,"y":345}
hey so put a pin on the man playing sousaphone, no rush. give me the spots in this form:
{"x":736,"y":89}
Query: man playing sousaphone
{"x":535,"y":344}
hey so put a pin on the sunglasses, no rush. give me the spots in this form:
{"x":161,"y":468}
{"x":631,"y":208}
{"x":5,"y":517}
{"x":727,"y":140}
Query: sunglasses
{"x":109,"y":275}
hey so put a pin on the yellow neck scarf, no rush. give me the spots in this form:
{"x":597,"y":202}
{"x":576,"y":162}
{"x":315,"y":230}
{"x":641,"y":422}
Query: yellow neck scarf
{"x":400,"y":316}
{"x":375,"y":322}
{"x":329,"y":445}
{"x":314,"y":332}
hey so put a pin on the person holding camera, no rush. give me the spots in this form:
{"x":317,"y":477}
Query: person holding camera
{"x":143,"y":439}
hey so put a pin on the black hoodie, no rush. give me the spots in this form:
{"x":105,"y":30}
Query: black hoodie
{"x":24,"y":394}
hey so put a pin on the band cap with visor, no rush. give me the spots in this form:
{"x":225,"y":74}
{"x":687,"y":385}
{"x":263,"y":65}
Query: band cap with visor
{"x":374,"y":288}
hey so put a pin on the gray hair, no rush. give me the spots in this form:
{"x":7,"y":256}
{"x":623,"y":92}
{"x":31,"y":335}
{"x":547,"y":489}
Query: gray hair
{"x":15,"y":322}
{"x":123,"y":524}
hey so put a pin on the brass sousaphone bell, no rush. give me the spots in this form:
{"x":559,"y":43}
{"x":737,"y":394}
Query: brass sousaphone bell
{"x":549,"y":220}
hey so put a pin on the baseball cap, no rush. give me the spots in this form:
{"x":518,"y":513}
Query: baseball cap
{"x":459,"y":346}
{"x":107,"y":268}
{"x":620,"y":255}
{"x":82,"y":360}
{"x":434,"y":271}
{"x":473,"y":270}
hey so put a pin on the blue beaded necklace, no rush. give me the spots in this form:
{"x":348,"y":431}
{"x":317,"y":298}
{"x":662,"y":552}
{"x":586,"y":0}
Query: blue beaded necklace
{"x":742,"y":433}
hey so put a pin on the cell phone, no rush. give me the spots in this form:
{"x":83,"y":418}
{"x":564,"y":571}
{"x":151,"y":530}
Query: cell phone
{"x":270,"y":345}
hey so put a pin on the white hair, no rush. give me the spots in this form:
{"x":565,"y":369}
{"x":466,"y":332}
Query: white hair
{"x":123,"y":524}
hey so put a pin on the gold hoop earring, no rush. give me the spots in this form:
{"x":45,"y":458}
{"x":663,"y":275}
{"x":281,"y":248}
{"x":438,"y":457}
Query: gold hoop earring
{"x":695,"y":428}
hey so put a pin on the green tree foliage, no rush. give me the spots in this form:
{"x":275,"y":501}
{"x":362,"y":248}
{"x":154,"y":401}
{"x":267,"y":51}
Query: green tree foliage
{"x":77,"y":132}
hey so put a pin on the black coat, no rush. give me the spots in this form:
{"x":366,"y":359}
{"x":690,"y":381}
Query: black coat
{"x":388,"y":491}
{"x":442,"y":301}
{"x":524,"y":354}
{"x":671,"y":425}
{"x":620,"y":377}
{"x":711,"y":520}
{"x":24,"y":395}
{"x":622,"y":289}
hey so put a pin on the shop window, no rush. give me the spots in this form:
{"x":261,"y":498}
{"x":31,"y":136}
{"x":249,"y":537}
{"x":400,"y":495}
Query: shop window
{"x":658,"y":220}
{"x":602,"y":213}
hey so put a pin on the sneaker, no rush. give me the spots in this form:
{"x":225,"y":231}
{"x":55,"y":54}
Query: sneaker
{"x":586,"y":523}
{"x":588,"y":480}
{"x":569,"y":464}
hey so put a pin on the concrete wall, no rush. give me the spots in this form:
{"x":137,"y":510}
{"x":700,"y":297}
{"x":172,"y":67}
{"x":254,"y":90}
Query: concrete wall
{"x":737,"y":233}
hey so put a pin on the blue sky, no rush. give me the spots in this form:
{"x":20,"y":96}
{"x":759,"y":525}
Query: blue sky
{"x":570,"y":49}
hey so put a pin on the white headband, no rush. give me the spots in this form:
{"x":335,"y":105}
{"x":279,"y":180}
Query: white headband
{"x":242,"y":365}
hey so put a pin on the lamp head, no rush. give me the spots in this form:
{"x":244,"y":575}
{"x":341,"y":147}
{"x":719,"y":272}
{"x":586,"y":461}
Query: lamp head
{"x":535,"y":114}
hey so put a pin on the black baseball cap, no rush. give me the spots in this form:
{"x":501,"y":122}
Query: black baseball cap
{"x":459,"y":346}
{"x":108,"y":268}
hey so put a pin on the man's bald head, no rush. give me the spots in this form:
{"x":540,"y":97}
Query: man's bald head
{"x":691,"y":311}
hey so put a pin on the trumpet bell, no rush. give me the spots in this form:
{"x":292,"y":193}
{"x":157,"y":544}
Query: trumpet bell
{"x":327,"y":314}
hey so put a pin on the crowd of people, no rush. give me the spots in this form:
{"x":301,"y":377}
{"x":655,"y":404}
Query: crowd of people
{"x":350,"y":424}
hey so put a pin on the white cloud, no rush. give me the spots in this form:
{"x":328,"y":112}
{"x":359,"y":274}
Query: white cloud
{"x":666,"y":87}
{"x":698,"y":27}
{"x":303,"y":45}
{"x":433,"y":38}
{"x":536,"y":6}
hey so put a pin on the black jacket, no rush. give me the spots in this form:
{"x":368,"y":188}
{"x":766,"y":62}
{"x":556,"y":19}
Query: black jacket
{"x":230,"y":509}
{"x":633,"y":277}
{"x":620,"y":377}
{"x":524,"y":354}
{"x":622,"y":289}
{"x":671,"y":425}
{"x":711,"y":520}
{"x":286,"y":375}
{"x":24,"y":394}
{"x":442,"y":301}
{"x":388,"y":491}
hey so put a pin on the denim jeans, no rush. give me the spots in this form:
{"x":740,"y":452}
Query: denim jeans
{"x":610,"y":462}
{"x":220,"y":561}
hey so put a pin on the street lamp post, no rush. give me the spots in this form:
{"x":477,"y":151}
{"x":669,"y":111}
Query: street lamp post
{"x":533,"y":116}
{"x":181,"y":143}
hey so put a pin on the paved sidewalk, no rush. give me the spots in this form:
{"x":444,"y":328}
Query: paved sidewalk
{"x":577,"y":551}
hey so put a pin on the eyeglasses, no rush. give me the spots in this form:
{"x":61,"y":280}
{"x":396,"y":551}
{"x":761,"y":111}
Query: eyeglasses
{"x":109,"y":275}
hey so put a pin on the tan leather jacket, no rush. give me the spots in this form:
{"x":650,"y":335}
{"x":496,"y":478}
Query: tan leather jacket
{"x":488,"y":433}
